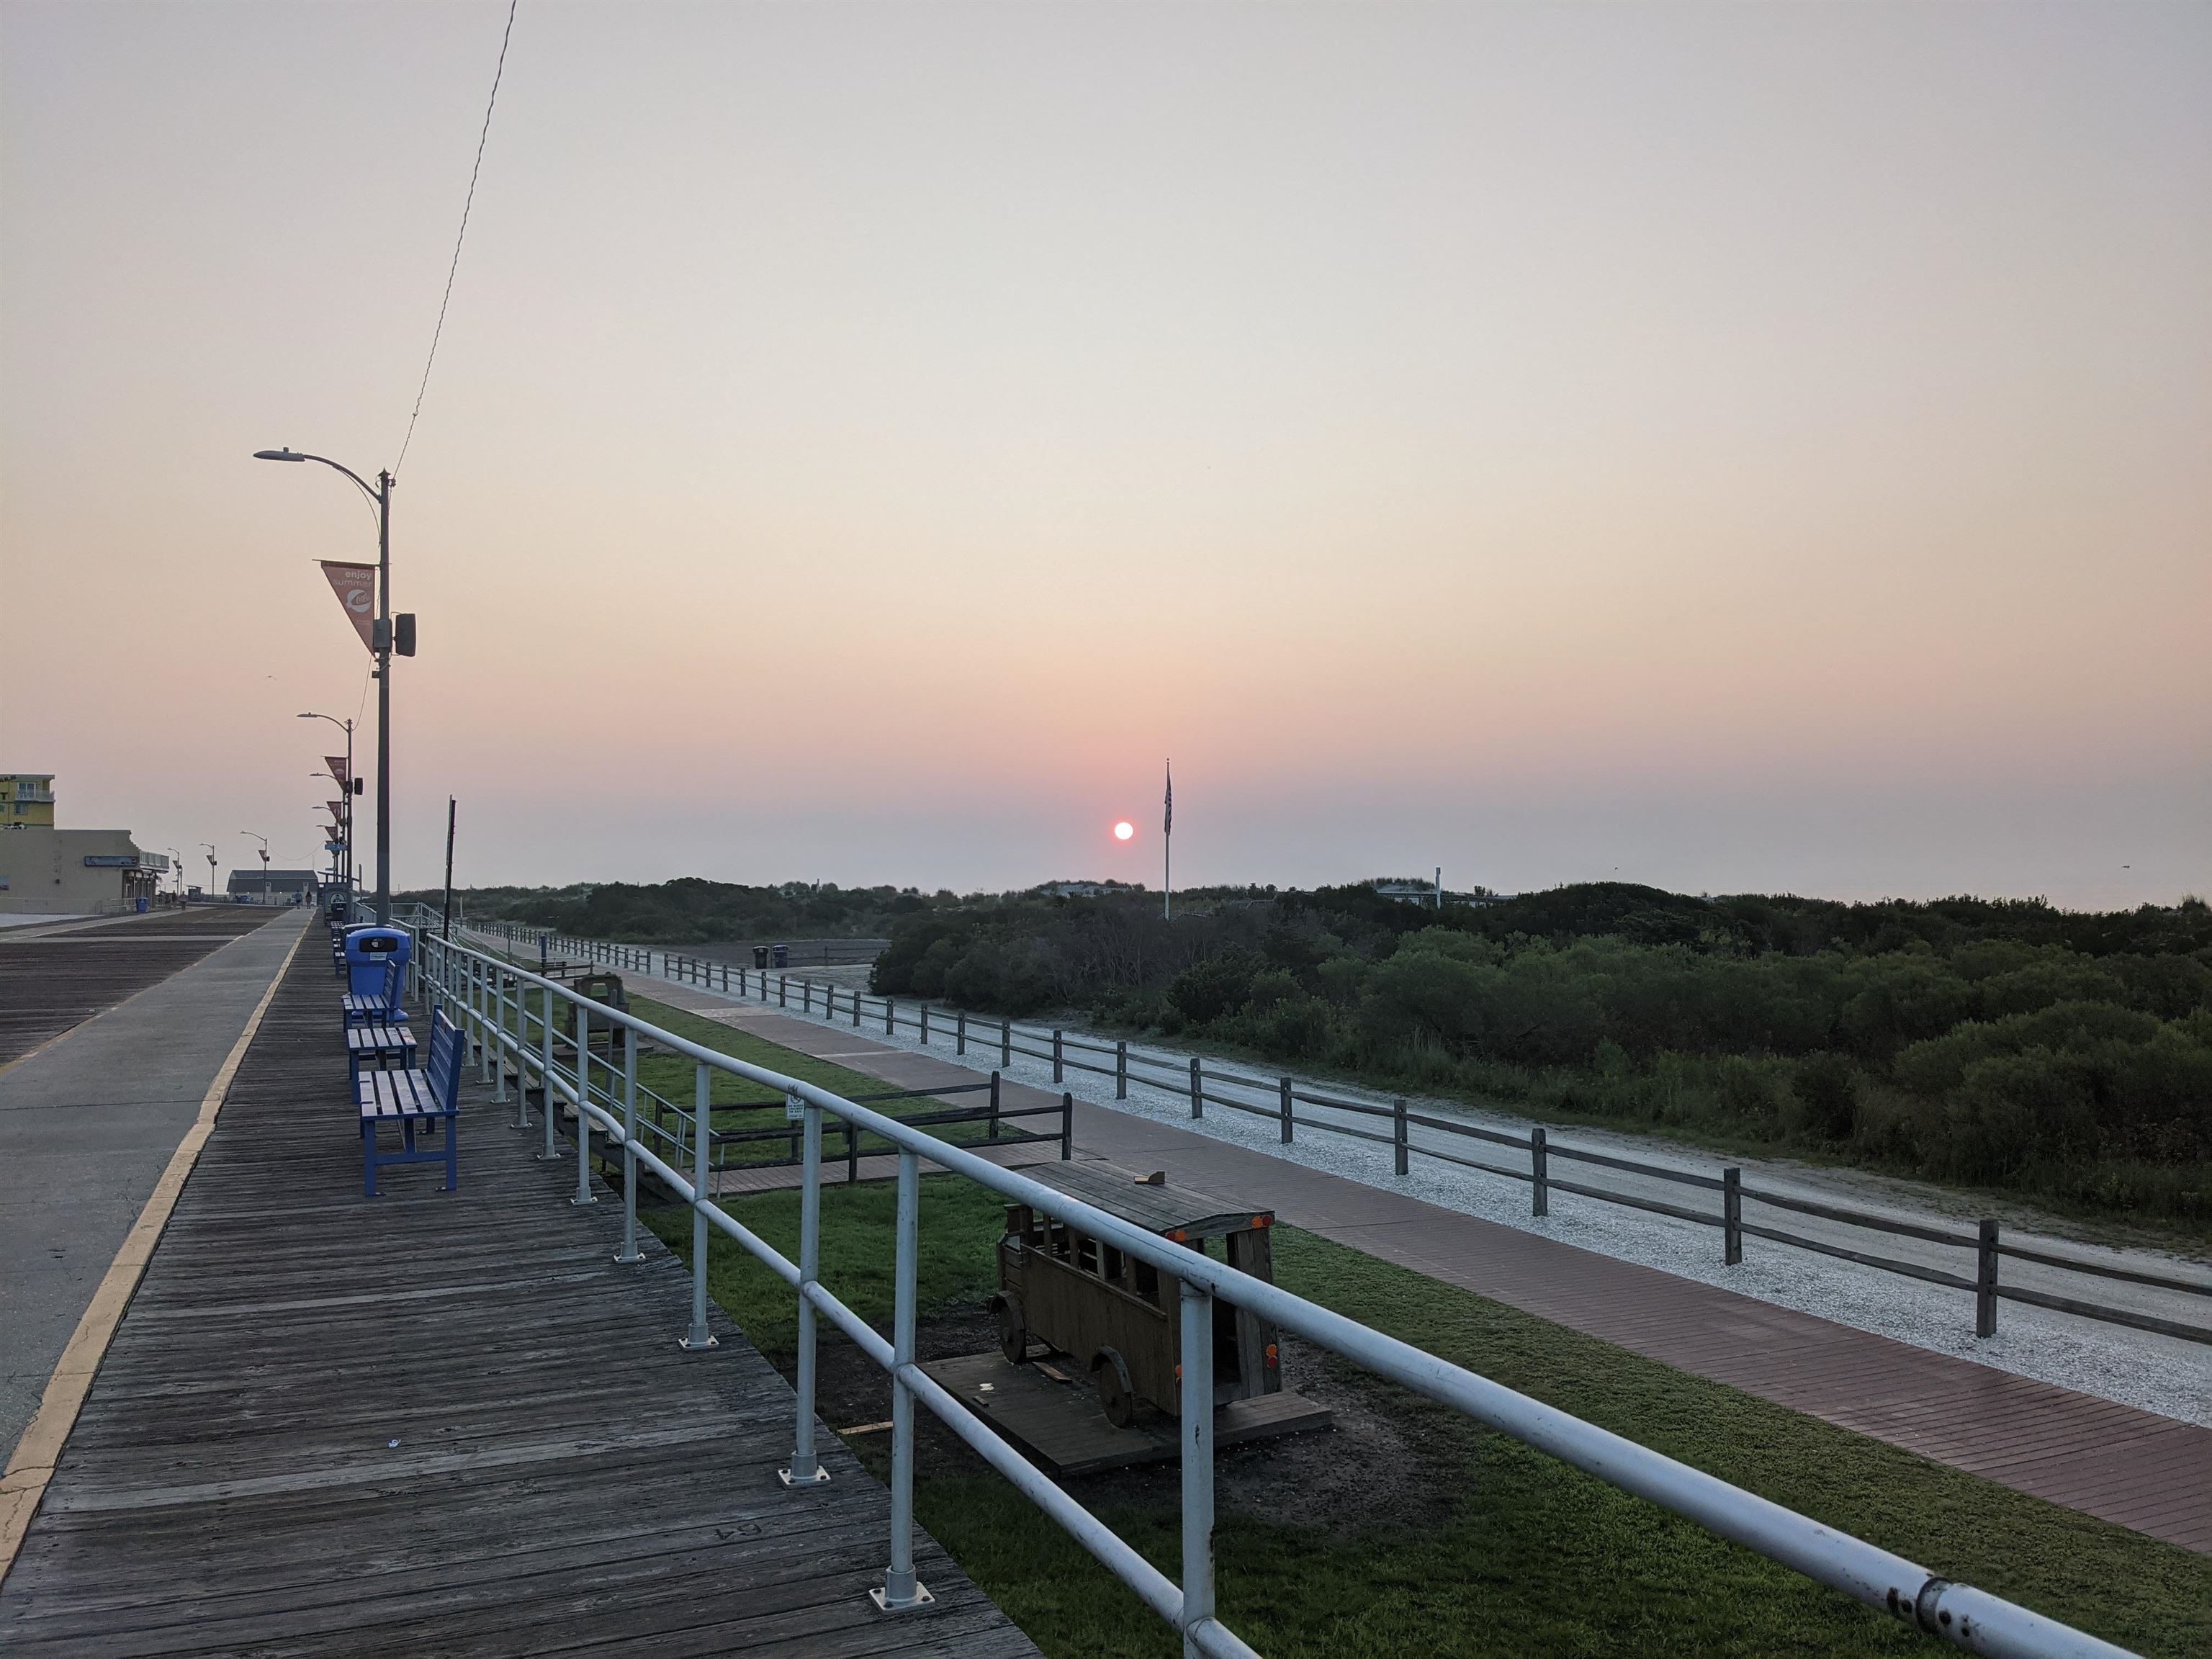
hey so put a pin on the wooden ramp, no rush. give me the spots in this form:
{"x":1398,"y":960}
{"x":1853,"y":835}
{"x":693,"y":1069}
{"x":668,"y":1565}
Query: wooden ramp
{"x":438,"y":1422}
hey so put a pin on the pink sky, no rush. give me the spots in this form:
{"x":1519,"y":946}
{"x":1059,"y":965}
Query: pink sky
{"x":1738,"y":448}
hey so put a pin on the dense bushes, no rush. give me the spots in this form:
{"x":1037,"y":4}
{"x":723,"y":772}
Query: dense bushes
{"x":1992,"y":1043}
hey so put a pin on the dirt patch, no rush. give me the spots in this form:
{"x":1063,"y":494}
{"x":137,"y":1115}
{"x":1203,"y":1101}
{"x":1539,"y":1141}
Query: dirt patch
{"x":1370,"y":1467}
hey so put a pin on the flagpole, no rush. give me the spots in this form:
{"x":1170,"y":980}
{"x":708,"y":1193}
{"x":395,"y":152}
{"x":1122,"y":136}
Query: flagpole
{"x":1167,"y":850}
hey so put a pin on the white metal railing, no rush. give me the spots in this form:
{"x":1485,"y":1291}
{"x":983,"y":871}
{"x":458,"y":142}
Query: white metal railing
{"x":1452,"y":1142}
{"x":490,"y":999}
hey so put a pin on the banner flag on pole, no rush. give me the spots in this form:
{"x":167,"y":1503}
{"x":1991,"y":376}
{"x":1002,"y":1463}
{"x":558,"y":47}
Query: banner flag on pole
{"x":355,"y":586}
{"x":336,"y":764}
{"x":337,"y":809}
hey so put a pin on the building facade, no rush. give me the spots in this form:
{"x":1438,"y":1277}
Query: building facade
{"x":274,"y":886}
{"x":44,"y":872}
{"x":26,"y":800}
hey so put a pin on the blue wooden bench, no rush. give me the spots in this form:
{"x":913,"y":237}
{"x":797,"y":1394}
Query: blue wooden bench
{"x":373,"y":1045}
{"x":414,"y":1097}
{"x":382,"y":1007}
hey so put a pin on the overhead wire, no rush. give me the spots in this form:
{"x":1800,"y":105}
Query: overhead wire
{"x":490,"y":104}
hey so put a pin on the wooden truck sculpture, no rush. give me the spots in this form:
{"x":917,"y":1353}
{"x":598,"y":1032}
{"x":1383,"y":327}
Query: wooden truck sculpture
{"x":1119,"y":1316}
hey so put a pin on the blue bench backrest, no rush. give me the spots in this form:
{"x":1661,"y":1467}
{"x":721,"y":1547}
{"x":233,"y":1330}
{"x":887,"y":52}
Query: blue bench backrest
{"x":444,"y":1070}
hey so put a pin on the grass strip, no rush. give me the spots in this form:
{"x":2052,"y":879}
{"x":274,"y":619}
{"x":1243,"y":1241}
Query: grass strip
{"x":1455,"y":1539}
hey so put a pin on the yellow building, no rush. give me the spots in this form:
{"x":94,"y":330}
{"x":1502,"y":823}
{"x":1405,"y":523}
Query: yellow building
{"x":26,"y":800}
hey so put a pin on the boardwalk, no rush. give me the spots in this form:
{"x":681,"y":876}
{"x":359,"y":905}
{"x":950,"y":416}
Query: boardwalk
{"x":2149,"y":1473}
{"x":437,"y":1423}
{"x":57,"y":979}
{"x":134,"y":1021}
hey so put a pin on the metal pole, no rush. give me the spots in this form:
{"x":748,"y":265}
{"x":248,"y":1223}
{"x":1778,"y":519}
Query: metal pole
{"x":480,"y":995}
{"x":702,"y":1090}
{"x":383,"y":699}
{"x":629,"y":1252}
{"x":583,"y":1118}
{"x":806,"y":1468}
{"x":960,"y":1032}
{"x":1287,"y":1119}
{"x":899,"y":1588}
{"x":1197,"y":1091}
{"x":1731,"y":1216}
{"x":1401,"y":1152}
{"x":1197,"y":1435}
{"x":925,"y":1025}
{"x":1057,"y":1060}
{"x":1540,"y":1164}
{"x":499,"y":1035}
{"x":1120,"y":1070}
{"x":1985,"y":1281}
{"x":445,"y":926}
{"x":552,"y":1151}
{"x":1006,"y":1044}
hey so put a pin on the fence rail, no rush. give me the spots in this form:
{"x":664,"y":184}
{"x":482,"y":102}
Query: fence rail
{"x":491,"y":999}
{"x":1200,"y":1083}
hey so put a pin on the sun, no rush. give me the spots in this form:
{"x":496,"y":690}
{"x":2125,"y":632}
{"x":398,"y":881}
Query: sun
{"x":1124,"y":830}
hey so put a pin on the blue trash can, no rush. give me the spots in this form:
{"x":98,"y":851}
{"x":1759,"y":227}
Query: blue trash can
{"x":783,"y":956}
{"x":369,"y":951}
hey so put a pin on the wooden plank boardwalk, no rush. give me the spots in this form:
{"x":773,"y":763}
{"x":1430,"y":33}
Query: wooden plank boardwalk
{"x":2120,"y":1464}
{"x":53,"y":982}
{"x":438,"y":1422}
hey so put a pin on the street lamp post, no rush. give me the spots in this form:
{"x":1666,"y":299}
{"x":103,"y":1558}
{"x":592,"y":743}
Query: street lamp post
{"x":264,"y":840}
{"x":381,"y":495}
{"x":210,"y":853}
{"x":334,"y":838}
{"x":177,"y":863}
{"x":346,"y":790}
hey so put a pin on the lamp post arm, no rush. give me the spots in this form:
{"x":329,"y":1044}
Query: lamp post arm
{"x":367,"y":489}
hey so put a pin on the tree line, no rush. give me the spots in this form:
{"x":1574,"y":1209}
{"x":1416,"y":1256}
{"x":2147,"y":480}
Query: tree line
{"x":2065,"y":1056}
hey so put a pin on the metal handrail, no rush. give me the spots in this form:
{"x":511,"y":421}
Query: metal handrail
{"x":1990,"y":1248}
{"x":460,"y":977}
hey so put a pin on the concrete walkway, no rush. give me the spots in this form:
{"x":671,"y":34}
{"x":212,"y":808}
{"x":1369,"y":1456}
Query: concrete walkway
{"x":2133,"y":1467}
{"x":87,"y":1123}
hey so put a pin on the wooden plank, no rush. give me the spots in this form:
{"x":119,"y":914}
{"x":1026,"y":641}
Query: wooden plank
{"x":565,"y":1477}
{"x":1061,"y":1428}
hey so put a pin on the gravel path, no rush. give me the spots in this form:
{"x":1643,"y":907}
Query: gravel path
{"x":2142,"y":1369}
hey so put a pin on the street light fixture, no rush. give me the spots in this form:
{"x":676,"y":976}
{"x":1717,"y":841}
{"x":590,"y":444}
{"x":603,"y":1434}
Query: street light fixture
{"x":339,"y":848}
{"x":264,"y":840}
{"x":211,"y":860}
{"x":349,"y":789}
{"x":381,"y":645}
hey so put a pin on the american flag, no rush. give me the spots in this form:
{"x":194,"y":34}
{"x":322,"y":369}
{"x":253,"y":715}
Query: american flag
{"x":1167,"y":823}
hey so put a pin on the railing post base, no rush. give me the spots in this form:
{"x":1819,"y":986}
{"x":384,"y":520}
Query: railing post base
{"x":819,"y":1478}
{"x":892,"y":1599}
